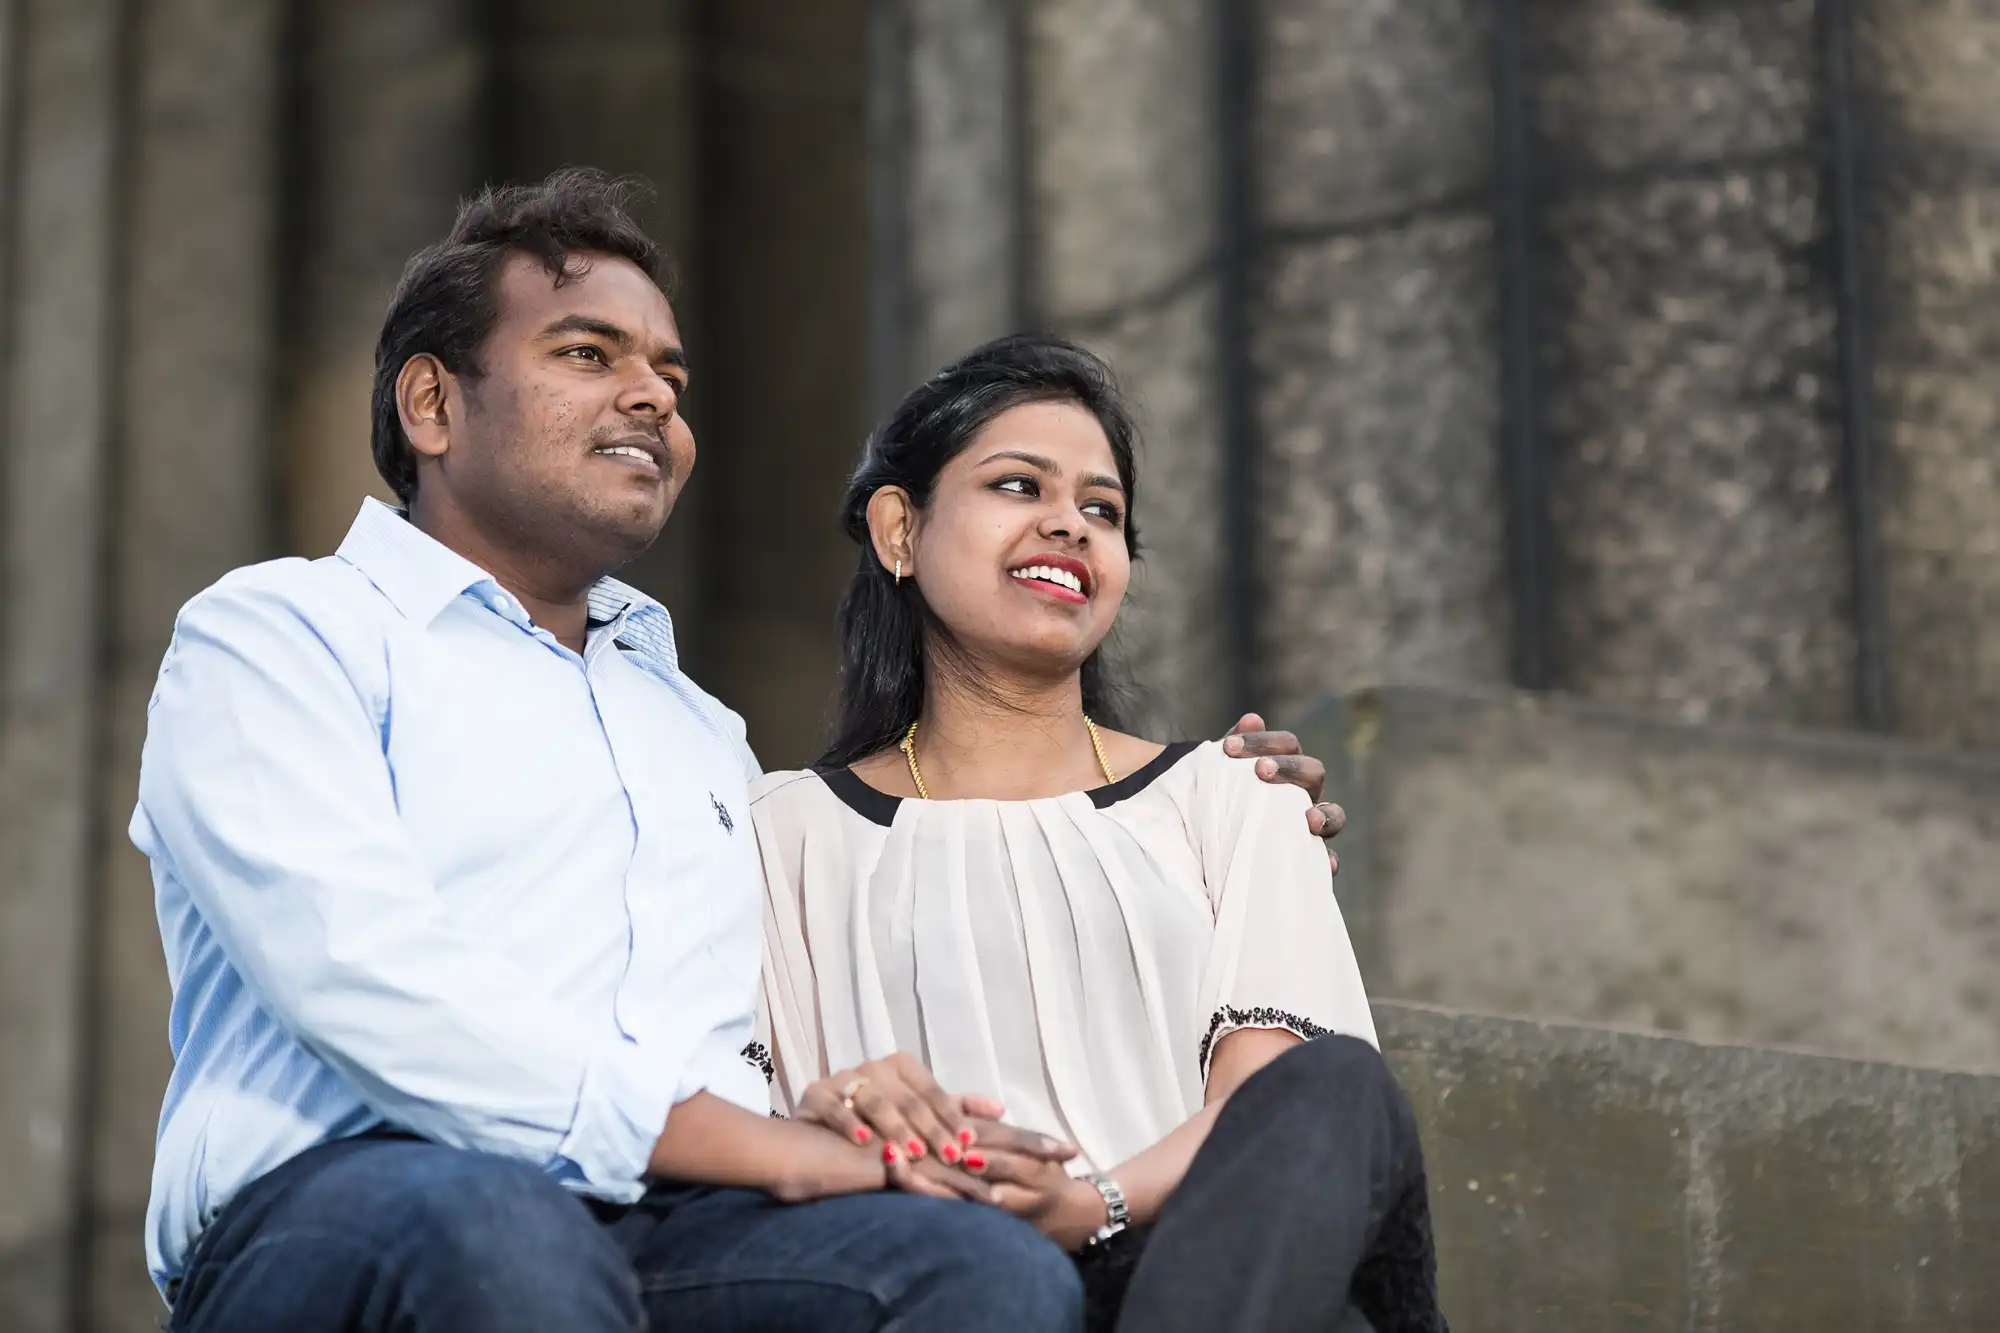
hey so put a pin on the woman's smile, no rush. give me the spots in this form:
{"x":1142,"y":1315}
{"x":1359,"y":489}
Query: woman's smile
{"x":1062,"y":577}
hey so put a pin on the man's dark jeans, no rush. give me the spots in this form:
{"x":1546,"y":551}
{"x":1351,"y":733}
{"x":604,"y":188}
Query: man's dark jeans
{"x":376,"y":1234}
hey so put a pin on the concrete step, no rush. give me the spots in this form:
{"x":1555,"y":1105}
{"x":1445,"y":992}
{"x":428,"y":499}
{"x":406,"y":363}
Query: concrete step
{"x":1582,"y":863}
{"x":1585,"y":1179}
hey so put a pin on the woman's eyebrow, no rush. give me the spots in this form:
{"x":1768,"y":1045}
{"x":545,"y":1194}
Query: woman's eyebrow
{"x":1050,"y":466}
{"x":1047,"y":465}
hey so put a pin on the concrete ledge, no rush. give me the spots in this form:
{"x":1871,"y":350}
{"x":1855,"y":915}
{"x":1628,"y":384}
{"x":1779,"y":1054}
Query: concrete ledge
{"x":1586,"y":1179}
{"x":1593,"y":864}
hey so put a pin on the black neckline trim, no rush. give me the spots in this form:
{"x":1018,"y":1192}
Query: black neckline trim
{"x":879,"y":807}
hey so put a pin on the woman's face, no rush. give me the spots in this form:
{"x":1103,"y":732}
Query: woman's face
{"x":1021,"y":552}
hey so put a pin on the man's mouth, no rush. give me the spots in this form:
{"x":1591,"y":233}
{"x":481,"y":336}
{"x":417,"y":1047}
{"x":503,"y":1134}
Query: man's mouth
{"x":647,"y":455}
{"x":1064,"y":577}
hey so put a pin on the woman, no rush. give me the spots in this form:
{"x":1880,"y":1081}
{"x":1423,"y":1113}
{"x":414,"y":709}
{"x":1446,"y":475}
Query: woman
{"x":1131,"y":948}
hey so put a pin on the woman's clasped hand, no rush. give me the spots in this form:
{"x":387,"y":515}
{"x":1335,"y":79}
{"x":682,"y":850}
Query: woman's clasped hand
{"x":955,"y":1146}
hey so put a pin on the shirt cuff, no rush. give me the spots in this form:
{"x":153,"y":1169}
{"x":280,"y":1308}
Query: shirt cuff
{"x":722,"y":1068}
{"x":621,"y":1112}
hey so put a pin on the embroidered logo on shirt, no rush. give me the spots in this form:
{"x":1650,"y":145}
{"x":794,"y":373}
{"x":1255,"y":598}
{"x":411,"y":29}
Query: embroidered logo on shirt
{"x":722,"y":814}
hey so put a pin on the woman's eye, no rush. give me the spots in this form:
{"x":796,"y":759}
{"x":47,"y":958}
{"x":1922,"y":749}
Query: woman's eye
{"x":1017,"y":485}
{"x":1103,"y":509}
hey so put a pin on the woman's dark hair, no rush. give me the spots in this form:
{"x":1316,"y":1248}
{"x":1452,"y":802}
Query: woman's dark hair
{"x":884,"y":625}
{"x":448,"y":299}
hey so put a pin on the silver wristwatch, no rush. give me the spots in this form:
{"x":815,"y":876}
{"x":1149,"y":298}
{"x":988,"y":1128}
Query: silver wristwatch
{"x":1116,"y":1218}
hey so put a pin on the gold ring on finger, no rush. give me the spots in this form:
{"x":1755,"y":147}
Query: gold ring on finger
{"x":847,"y":1092}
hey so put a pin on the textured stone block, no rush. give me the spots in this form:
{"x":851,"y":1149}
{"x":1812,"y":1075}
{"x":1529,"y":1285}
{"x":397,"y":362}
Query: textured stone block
{"x":960,"y":181}
{"x":1632,"y":84}
{"x":1931,"y":103}
{"x":1592,"y":1180}
{"x":1702,"y":557}
{"x":1379,"y":524}
{"x":1368,"y":108}
{"x":1939,"y":404}
{"x":1581,"y":863}
{"x":1120,"y":145}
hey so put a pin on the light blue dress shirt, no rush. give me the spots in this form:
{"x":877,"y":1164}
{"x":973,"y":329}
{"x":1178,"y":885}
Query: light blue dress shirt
{"x":418,"y":864}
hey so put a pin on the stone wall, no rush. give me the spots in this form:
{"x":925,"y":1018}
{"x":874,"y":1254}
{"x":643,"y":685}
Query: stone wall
{"x":1702,"y":558}
{"x":1584,"y":863}
{"x":1932,"y":115}
{"x":1588,"y":1180}
{"x":1690,"y":392}
{"x":1376,"y":367}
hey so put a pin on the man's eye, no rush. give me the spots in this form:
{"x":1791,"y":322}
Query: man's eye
{"x":586,"y":353}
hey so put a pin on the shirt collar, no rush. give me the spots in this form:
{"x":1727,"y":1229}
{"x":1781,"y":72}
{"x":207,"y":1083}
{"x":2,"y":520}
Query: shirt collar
{"x":421,"y":576}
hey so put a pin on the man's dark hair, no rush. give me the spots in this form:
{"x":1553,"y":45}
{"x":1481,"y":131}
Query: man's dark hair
{"x":447,"y":301}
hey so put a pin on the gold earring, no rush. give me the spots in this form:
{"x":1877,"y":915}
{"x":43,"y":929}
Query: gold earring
{"x":899,"y":569}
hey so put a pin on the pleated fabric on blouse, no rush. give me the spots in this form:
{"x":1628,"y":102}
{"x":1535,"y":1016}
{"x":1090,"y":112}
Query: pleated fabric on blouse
{"x":1077,"y":956}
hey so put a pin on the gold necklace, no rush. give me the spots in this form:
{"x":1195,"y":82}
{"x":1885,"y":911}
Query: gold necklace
{"x":909,"y":748}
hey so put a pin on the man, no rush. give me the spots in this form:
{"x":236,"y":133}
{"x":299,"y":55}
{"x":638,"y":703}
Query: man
{"x":459,"y":901}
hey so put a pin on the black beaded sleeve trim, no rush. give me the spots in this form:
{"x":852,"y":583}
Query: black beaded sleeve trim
{"x":1233,"y":1019}
{"x":760,"y":1055}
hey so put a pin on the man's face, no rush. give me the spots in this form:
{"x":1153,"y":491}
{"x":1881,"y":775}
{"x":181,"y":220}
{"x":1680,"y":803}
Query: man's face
{"x":571,"y":439}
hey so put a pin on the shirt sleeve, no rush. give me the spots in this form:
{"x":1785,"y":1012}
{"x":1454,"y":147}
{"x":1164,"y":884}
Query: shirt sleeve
{"x":265,"y":788}
{"x":788,"y":1009}
{"x":1280,"y":956}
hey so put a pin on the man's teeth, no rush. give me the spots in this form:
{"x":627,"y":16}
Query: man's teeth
{"x":1048,"y":575}
{"x":627,"y":451}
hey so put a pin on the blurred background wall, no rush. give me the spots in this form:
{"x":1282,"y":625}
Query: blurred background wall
{"x":1639,"y":351}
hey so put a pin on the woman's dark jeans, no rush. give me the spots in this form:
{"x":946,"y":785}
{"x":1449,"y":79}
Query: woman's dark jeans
{"x":1305,"y":1209}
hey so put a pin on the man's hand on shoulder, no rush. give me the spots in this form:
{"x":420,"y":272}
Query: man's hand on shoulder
{"x":1280,"y":760}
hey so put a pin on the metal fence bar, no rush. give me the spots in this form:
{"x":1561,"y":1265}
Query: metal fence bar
{"x":1843,"y":183}
{"x":1235,"y":226}
{"x":1523,"y":462}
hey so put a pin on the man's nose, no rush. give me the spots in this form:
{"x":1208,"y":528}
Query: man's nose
{"x":646,"y":392}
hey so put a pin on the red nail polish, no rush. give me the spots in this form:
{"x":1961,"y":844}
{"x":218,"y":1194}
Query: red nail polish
{"x":949,"y":1152}
{"x":889,"y":1152}
{"x":863,"y":1134}
{"x":965,"y":1137}
{"x":915,"y":1147}
{"x":975,"y":1161}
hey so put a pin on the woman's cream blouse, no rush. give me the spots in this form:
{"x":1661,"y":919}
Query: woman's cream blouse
{"x":1077,"y":956}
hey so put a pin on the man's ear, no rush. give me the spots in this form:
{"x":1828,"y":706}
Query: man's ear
{"x":423,"y":393}
{"x":892,"y":521}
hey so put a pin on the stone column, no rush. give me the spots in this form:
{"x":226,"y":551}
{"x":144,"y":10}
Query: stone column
{"x":192,"y":500}
{"x":389,"y":137}
{"x":613,"y":84}
{"x":1931,"y":109}
{"x":1701,"y":554}
{"x":60,"y":203}
{"x":945,"y":159}
{"x":1374,"y":331}
{"x":1121,"y":154}
{"x":784,"y":371}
